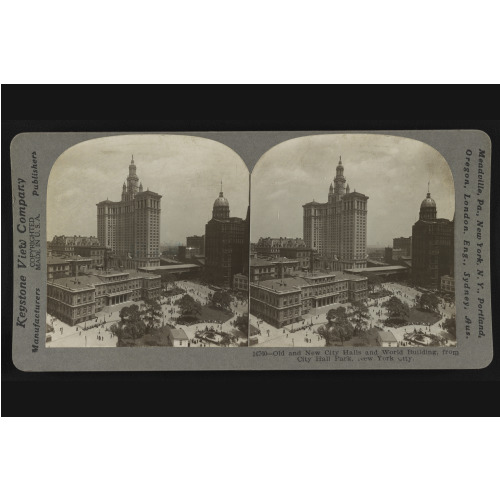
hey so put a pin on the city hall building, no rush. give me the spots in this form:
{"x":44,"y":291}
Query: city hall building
{"x":130,"y":228}
{"x":337,"y":229}
{"x":432,"y":246}
{"x":76,"y":299}
{"x":283,"y":301}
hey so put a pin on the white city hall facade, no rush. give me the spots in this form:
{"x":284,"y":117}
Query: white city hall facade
{"x":130,"y":228}
{"x":337,"y":229}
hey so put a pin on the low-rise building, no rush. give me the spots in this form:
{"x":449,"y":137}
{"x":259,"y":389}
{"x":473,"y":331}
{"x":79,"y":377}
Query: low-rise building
{"x":178,"y":337}
{"x":240,"y":282}
{"x":76,"y":299}
{"x":57,"y":267}
{"x":386,"y":339}
{"x":448,"y":284}
{"x":262,"y":269}
{"x":283,"y":301}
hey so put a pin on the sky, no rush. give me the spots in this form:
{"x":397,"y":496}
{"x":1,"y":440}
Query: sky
{"x":186,"y":171}
{"x":392,"y":171}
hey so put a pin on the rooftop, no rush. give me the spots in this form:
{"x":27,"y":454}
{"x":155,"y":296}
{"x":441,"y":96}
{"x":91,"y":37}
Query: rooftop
{"x":386,"y":336}
{"x":56,"y":260}
{"x":375,"y":269}
{"x":178,"y":334}
{"x":166,"y":268}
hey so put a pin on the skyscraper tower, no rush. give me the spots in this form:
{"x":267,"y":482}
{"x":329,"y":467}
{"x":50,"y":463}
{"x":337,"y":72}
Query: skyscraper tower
{"x":226,"y":244}
{"x":130,"y":228}
{"x":337,"y":229}
{"x":432,"y":246}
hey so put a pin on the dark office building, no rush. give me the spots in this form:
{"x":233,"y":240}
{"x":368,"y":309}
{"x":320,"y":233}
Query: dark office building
{"x":226,"y":244}
{"x":432,"y":246}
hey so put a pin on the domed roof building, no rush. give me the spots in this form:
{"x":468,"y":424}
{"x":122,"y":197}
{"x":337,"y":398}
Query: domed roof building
{"x":221,"y":207}
{"x":428,"y":209}
{"x":226,"y":244}
{"x":432,"y":246}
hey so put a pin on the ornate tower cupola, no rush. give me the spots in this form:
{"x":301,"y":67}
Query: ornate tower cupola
{"x":339,"y":181}
{"x":330,"y":194}
{"x":428,"y":209}
{"x":132,"y":179}
{"x":221,"y":207}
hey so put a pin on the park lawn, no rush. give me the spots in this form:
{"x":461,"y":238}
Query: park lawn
{"x":210,"y":314}
{"x":418,"y":317}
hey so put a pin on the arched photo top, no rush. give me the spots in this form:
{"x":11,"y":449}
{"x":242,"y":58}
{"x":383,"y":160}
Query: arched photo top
{"x":395,"y":173}
{"x":186,"y":171}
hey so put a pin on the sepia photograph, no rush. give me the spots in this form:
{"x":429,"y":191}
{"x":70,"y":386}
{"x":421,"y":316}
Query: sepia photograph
{"x":147,"y":244}
{"x":352,"y":244}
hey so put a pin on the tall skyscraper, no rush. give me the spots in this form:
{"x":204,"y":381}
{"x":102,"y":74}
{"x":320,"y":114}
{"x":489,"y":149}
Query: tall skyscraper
{"x":337,"y":229}
{"x":226,"y":244}
{"x":432,"y":246}
{"x":130,"y":228}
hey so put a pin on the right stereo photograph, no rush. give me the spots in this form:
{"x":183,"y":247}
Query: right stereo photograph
{"x":352,"y":244}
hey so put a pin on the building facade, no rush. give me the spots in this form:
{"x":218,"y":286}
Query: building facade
{"x":85,"y":246}
{"x":226,"y":244}
{"x":282,"y":302}
{"x":130,"y":228}
{"x":432,"y":246}
{"x":448,"y":284}
{"x":337,"y":229}
{"x":403,"y":244}
{"x":197,"y":244}
{"x":304,"y":255}
{"x":272,"y":247}
{"x":77,"y":299}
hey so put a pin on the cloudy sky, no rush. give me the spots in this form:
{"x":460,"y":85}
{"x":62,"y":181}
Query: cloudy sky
{"x":186,"y":171}
{"x":392,"y":171}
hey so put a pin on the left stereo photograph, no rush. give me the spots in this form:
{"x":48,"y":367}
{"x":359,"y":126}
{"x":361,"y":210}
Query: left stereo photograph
{"x":147,"y":244}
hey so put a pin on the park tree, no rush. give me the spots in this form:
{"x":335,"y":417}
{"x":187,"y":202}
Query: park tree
{"x":398,"y":311}
{"x":189,"y":306}
{"x":168,"y":279}
{"x":131,"y":325}
{"x":428,"y":302}
{"x":337,"y":328}
{"x":333,"y":314}
{"x":359,"y":316}
{"x":374,"y":281}
{"x":152,"y":313}
{"x":450,"y":325}
{"x":241,"y":323}
{"x":221,"y":300}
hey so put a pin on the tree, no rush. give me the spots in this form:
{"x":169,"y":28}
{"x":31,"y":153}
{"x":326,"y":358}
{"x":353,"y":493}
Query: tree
{"x":168,"y":279}
{"x":221,"y":300}
{"x":152,"y":313}
{"x":189,"y":306}
{"x":359,"y":316}
{"x":226,"y":341}
{"x":241,"y":323}
{"x":450,"y":325}
{"x":131,"y":325}
{"x":374,"y":281}
{"x":337,"y":328}
{"x":398,"y":312}
{"x":333,"y":314}
{"x":428,"y":302}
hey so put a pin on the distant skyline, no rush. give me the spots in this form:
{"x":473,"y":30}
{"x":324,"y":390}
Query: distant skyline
{"x":392,"y":171}
{"x":187,"y":171}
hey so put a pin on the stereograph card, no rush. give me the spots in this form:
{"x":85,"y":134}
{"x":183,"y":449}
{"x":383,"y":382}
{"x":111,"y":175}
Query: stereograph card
{"x":251,"y":250}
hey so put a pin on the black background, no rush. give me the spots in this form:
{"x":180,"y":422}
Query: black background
{"x":206,"y":108}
